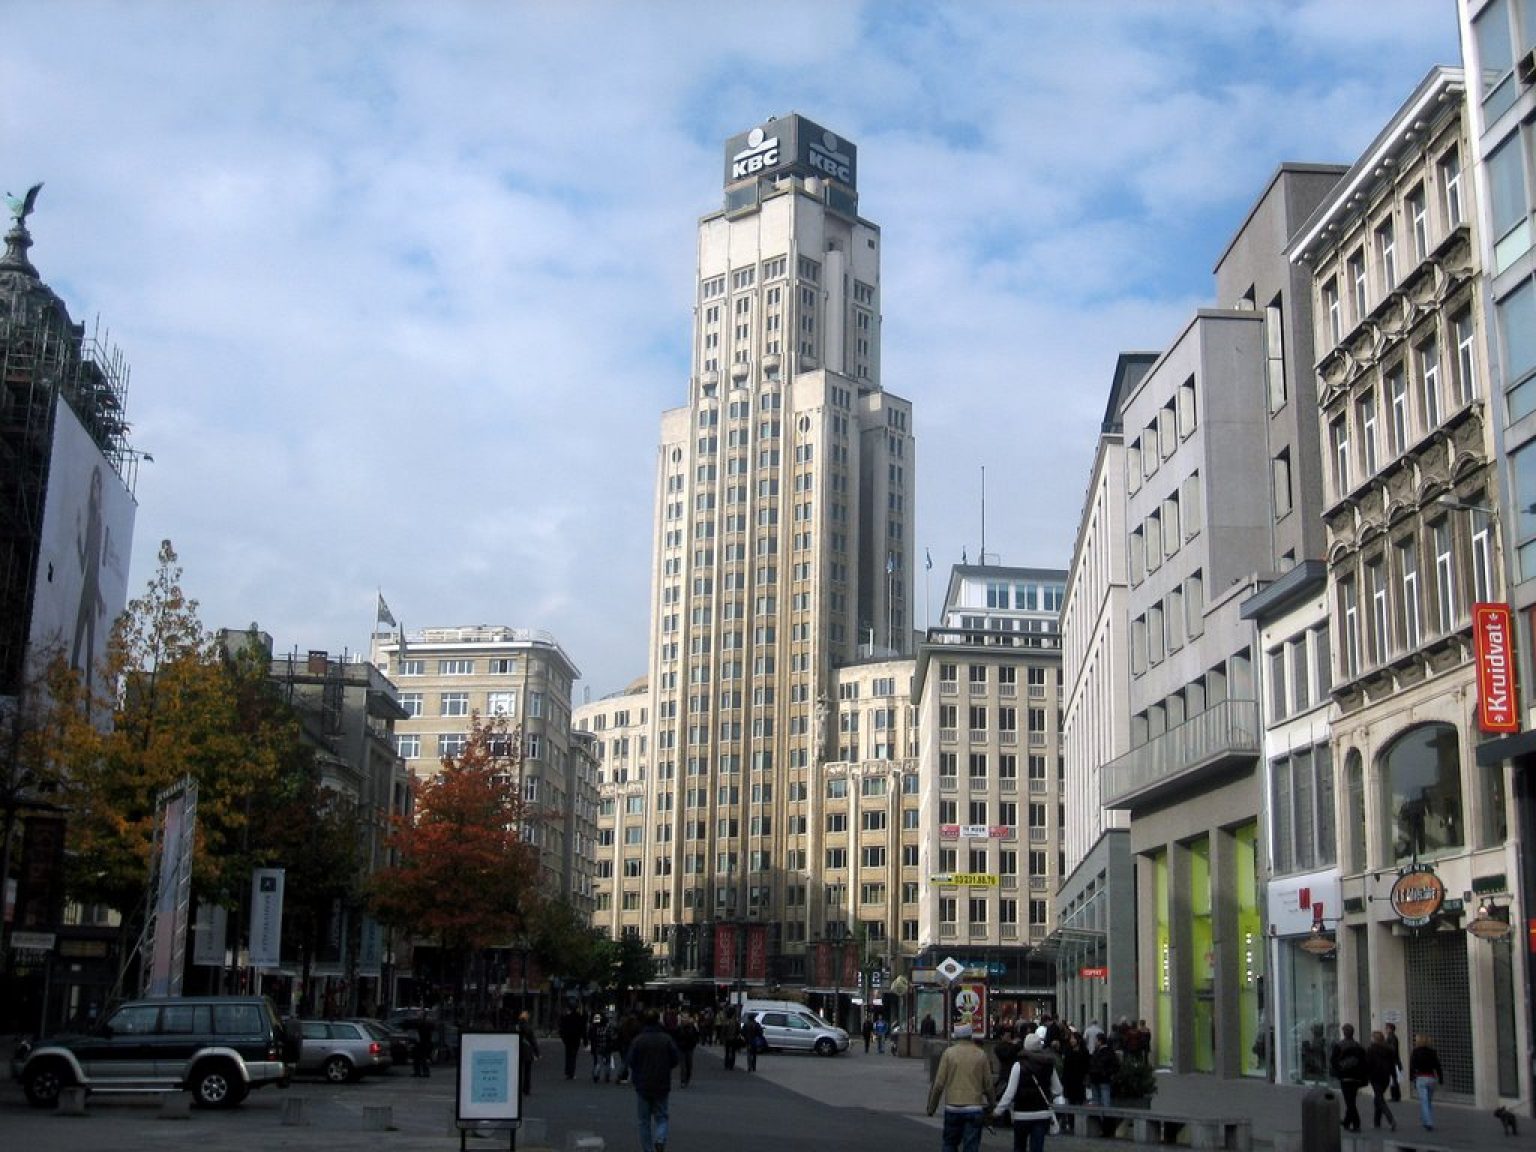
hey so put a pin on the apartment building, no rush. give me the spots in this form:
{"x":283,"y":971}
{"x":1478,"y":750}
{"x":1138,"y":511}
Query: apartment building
{"x":1411,"y":508}
{"x":1096,"y":969}
{"x":448,"y":676}
{"x":616,"y":731}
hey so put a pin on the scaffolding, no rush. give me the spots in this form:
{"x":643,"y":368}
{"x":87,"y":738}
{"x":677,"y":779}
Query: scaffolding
{"x":45,"y":358}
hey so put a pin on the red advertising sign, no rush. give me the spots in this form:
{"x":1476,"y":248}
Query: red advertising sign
{"x":1097,"y":973}
{"x":757,"y":952}
{"x":725,"y":951}
{"x":971,"y":1005}
{"x":823,"y":969}
{"x":1493,"y":641}
{"x":949,"y":831}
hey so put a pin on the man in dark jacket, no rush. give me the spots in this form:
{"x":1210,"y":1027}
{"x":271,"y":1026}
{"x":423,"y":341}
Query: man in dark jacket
{"x":573,"y":1029}
{"x":651,"y":1059}
{"x":1380,"y":1067}
{"x":1347,"y":1063}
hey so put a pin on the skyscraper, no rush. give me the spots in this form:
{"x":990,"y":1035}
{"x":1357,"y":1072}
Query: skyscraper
{"x":784,"y":513}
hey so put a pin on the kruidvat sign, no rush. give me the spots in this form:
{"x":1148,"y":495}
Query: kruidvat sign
{"x":1493,"y":640}
{"x":792,"y":144}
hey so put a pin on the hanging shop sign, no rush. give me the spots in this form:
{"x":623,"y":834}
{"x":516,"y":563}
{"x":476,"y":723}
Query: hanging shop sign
{"x":1493,"y":634}
{"x":1417,"y":895}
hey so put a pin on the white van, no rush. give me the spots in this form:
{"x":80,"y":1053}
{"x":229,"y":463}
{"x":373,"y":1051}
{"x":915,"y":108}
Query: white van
{"x":792,"y":1027}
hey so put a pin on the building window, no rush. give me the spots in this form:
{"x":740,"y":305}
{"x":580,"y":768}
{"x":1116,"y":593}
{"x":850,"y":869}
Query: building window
{"x":1429,"y":376}
{"x":1357,"y":284}
{"x":1466,"y":363}
{"x":456,"y":667}
{"x":1408,"y":582}
{"x":1365,"y":410}
{"x":1380,"y":637}
{"x":1450,"y":188}
{"x":408,"y":745}
{"x":1338,"y":437}
{"x":1334,"y":312}
{"x":1397,"y":412}
{"x":1418,"y":221}
{"x":411,"y":703}
{"x":1281,"y":471}
{"x":1422,"y":773}
{"x":1386,"y":255}
{"x":1349,"y":614}
{"x":454,"y":704}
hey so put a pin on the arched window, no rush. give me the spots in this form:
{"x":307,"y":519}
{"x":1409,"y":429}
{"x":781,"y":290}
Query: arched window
{"x":1421,"y":773}
{"x":1356,"y":859}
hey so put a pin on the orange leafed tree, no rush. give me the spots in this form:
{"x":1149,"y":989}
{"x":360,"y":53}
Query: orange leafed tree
{"x":465,"y":876}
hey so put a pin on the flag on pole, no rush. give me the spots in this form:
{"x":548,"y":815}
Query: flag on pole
{"x":890,"y":563}
{"x":385,"y":615}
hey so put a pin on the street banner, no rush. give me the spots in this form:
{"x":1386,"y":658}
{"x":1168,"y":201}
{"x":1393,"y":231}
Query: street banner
{"x":173,"y":890}
{"x":850,"y":963}
{"x":208,"y":935}
{"x":725,"y":951}
{"x":266,"y":917}
{"x":370,"y":949}
{"x":757,"y":952}
{"x":823,"y":953}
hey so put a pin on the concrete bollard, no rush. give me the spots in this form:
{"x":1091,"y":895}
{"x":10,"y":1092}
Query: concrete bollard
{"x":293,"y":1111}
{"x":176,"y":1106}
{"x":379,"y":1117}
{"x":72,"y":1101}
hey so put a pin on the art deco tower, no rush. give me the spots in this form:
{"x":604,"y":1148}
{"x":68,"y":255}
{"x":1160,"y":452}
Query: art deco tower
{"x":784,"y":513}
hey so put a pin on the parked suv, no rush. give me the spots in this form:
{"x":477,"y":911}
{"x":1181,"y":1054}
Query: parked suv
{"x":216,"y":1047}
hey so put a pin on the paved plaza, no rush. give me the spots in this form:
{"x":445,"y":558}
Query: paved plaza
{"x":853,"y":1101}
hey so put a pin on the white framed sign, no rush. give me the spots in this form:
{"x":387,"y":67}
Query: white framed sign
{"x":489,"y":1064}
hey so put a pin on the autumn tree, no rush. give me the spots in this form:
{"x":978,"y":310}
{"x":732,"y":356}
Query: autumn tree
{"x":466,"y":878}
{"x":180,"y":708}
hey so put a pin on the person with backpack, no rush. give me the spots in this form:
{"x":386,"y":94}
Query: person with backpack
{"x":687,"y":1040}
{"x":1347,"y":1063}
{"x":752,"y":1036}
{"x":729,"y":1030}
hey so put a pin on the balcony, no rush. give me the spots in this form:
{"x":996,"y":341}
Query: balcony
{"x":1224,"y":737}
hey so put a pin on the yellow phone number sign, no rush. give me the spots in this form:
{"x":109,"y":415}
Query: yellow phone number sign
{"x":964,"y":879}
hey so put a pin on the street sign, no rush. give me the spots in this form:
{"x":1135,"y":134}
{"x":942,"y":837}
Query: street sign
{"x":951,"y":969}
{"x":33,"y":941}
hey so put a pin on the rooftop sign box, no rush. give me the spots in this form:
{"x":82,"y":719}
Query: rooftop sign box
{"x":792,"y":144}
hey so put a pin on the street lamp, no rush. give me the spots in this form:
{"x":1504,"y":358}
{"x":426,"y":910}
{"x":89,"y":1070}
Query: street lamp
{"x":1491,"y":921}
{"x":1319,"y":941}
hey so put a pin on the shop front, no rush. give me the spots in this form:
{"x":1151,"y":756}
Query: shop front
{"x":1304,"y":1008}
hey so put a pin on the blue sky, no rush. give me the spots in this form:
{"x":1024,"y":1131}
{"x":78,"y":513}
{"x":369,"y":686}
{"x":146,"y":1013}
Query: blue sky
{"x":406,"y":287}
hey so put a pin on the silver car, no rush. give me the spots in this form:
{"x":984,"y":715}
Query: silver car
{"x":800,"y":1030}
{"x":341,"y":1050}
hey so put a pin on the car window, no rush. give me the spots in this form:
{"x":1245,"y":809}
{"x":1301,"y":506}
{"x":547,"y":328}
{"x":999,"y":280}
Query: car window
{"x":185,"y":1019}
{"x":773,"y":1019}
{"x":343,"y":1031}
{"x":377,"y":1031}
{"x":315,"y":1030}
{"x":237,"y":1019}
{"x":134,"y":1019}
{"x":800,"y":1022}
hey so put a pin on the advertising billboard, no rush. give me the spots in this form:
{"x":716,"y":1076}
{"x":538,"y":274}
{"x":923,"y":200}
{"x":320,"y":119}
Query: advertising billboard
{"x":1493,"y":633}
{"x":81,"y":584}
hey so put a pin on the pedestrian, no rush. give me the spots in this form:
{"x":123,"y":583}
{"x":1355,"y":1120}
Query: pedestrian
{"x":687,"y":1040}
{"x":928,"y":1027}
{"x":963,"y":1083}
{"x":707,"y":1026}
{"x":1347,"y":1063}
{"x":1102,"y":1066}
{"x":629,"y":1029}
{"x":752,"y":1039}
{"x":868,"y":1030}
{"x":573,"y":1030}
{"x":1425,"y":1075}
{"x":880,"y":1030}
{"x":1074,"y":1076}
{"x":1033,"y":1086}
{"x":598,"y":1043}
{"x":650,"y":1060}
{"x":1093,"y":1035}
{"x":1006,"y":1050}
{"x":529,"y":1051}
{"x":729,"y":1030}
{"x":1397,"y":1060}
{"x":1380,"y":1069}
{"x":421,"y":1051}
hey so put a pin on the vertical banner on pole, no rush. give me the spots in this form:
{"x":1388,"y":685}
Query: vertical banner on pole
{"x":173,"y":890}
{"x":266,"y":917}
{"x":757,"y":952}
{"x":823,"y":964}
{"x":725,"y":951}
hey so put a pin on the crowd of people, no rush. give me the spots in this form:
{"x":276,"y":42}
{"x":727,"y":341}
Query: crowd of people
{"x":1034,"y":1068}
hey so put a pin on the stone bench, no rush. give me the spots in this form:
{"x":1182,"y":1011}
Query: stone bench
{"x":1151,"y":1126}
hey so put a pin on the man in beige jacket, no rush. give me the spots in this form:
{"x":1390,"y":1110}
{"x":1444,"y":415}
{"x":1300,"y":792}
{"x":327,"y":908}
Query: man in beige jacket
{"x":963,"y":1083}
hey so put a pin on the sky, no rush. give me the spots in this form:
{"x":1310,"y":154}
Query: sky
{"x":405,"y":288}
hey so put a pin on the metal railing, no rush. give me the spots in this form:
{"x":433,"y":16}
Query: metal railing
{"x":1225,"y":731}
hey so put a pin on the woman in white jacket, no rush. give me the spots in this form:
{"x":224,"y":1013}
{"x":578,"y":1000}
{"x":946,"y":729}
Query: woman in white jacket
{"x":1032,"y":1086}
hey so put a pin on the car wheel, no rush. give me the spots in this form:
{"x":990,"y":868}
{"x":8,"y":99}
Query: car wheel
{"x":825,"y":1047}
{"x":44,"y":1082}
{"x":217,"y":1085}
{"x":338,"y":1070}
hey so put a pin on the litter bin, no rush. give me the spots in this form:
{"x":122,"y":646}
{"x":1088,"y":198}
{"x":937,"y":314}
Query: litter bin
{"x":1320,"y":1121}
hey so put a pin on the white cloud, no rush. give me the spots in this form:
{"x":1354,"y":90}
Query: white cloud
{"x":405,"y":288}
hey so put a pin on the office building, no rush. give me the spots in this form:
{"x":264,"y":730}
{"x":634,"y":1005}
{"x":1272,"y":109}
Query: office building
{"x":784,"y":510}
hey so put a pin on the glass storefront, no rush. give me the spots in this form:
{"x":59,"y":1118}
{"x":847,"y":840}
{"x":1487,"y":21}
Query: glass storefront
{"x":1202,"y":957}
{"x":1308,"y":1012}
{"x":1163,"y":1045}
